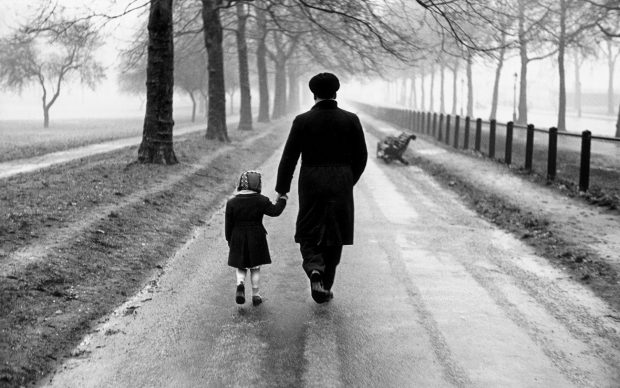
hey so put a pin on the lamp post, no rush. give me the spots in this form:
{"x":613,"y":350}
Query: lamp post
{"x":462,"y":87}
{"x":514,"y":100}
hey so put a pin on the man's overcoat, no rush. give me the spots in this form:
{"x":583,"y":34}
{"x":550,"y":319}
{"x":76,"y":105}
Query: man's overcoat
{"x":245,"y":233}
{"x":333,"y":153}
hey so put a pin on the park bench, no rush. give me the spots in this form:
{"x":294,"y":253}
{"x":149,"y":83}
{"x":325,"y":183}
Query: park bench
{"x":393,"y":147}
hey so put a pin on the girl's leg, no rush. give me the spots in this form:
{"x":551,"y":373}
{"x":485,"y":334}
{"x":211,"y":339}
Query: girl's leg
{"x":255,"y":278}
{"x":241,"y":272}
{"x":240,"y":293}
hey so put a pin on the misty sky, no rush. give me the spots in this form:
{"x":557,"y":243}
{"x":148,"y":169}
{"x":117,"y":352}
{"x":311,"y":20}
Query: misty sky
{"x":79,"y":101}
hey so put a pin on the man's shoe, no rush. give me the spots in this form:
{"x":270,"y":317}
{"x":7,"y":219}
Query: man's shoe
{"x":256,"y":300}
{"x":319,"y":294}
{"x":240,"y":295}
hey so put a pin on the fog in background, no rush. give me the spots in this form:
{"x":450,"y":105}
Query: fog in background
{"x":77,"y":101}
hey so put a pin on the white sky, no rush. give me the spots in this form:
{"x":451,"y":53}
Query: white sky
{"x":78,"y":101}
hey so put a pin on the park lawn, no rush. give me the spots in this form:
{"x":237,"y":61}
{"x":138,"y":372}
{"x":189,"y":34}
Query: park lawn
{"x":27,"y":138}
{"x":81,"y":237}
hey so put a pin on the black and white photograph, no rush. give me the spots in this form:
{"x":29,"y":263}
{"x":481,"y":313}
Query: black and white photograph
{"x":310,"y":193}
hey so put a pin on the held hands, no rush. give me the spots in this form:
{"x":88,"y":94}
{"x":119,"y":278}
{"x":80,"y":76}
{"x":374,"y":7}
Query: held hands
{"x":282,"y":196}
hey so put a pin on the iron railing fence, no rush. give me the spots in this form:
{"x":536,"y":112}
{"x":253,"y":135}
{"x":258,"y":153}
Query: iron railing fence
{"x":579,"y":158}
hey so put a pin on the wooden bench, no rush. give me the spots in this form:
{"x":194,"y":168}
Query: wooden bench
{"x":393,"y":147}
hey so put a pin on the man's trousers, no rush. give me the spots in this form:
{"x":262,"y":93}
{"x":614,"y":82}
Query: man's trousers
{"x":320,"y":258}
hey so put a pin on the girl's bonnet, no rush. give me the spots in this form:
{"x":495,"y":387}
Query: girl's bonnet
{"x":250,"y":180}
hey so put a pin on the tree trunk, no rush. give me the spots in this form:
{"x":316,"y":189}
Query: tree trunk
{"x":232,"y":102}
{"x":245,"y":108}
{"x":442,"y":96}
{"x":432,"y":92}
{"x":422,"y":92}
{"x":157,"y":145}
{"x":293,"y":89}
{"x":577,"y":84}
{"x":414,"y":93}
{"x":522,"y":118}
{"x":46,"y":117}
{"x":618,"y":123}
{"x":204,"y":103}
{"x":470,"y":86}
{"x":261,"y":66}
{"x":498,"y":73}
{"x":216,"y":122}
{"x":611,"y":64}
{"x":403,"y":91}
{"x":455,"y":85}
{"x":561,"y":70}
{"x":279,"y":97}
{"x":191,"y":96}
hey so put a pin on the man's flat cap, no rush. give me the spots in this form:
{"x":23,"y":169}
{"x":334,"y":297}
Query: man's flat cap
{"x":324,"y":85}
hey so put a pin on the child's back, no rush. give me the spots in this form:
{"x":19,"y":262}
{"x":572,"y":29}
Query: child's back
{"x":245,"y":233}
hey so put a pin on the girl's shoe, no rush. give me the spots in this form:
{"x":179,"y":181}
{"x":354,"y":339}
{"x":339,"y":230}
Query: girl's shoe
{"x":256,"y":300}
{"x":240,"y":295}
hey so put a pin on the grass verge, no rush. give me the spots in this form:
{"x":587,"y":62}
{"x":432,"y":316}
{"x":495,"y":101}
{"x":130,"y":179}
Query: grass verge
{"x":26,"y":139}
{"x":79,"y":238}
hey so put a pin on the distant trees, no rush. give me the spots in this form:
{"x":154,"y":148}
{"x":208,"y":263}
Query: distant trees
{"x":190,"y":70}
{"x":48,"y":56}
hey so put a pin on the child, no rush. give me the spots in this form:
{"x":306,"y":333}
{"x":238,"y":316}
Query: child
{"x":246,"y":234}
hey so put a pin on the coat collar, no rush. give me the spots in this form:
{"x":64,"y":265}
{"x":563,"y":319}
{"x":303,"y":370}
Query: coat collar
{"x":325,"y":104}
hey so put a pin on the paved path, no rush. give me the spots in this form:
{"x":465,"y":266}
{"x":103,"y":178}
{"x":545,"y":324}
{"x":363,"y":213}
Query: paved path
{"x":429,"y":296}
{"x":20,"y":166}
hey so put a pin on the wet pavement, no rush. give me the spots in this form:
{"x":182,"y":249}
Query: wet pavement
{"x":430,"y":295}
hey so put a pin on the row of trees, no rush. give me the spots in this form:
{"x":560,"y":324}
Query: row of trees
{"x":295,"y":37}
{"x":529,"y":30}
{"x":201,"y":46}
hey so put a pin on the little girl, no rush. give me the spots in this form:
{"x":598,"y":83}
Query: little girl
{"x":246,"y":234}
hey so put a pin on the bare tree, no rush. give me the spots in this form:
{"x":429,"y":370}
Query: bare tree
{"x":157,"y":146}
{"x":213,"y":35}
{"x":245,"y":108}
{"x":611,"y":51}
{"x":190,"y":71}
{"x":49,"y":58}
{"x":498,"y":72}
{"x":261,"y":63}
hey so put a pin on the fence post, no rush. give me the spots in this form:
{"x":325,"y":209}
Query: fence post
{"x":439,"y":137}
{"x":417,"y":121}
{"x":552,"y":153}
{"x":447,"y":139}
{"x":478,"y":135}
{"x":529,"y":147}
{"x":420,"y":123}
{"x":508,"y":152}
{"x":457,"y":122}
{"x":428,"y":121}
{"x":584,"y":170}
{"x":434,"y":128}
{"x":466,"y":139}
{"x":492,"y":139}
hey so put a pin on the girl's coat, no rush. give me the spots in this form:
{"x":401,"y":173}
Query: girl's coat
{"x":245,"y":233}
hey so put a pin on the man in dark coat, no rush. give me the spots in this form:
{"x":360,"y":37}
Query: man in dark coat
{"x":333,"y":156}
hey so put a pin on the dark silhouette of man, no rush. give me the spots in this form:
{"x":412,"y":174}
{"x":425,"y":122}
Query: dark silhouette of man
{"x":333,"y":153}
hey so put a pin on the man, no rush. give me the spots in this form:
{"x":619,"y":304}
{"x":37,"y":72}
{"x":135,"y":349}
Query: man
{"x":333,"y":156}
